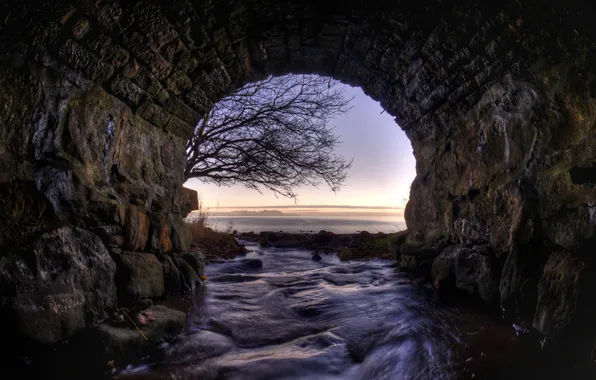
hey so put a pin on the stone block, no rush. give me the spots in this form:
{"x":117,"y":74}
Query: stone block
{"x":126,"y":90}
{"x":87,"y":62}
{"x":136,"y":228}
{"x":138,"y":276}
{"x":59,"y":284}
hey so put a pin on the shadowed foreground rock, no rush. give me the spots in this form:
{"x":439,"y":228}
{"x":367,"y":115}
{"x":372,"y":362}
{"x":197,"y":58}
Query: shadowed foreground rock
{"x":96,"y":352}
{"x":59,"y":284}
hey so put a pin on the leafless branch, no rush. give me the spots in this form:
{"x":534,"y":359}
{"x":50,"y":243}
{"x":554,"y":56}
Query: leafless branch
{"x":272,"y":134}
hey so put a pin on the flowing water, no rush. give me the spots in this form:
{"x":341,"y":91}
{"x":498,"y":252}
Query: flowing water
{"x":295,"y":318}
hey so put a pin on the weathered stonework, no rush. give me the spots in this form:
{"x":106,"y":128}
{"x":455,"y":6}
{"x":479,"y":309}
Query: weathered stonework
{"x":496,"y":98}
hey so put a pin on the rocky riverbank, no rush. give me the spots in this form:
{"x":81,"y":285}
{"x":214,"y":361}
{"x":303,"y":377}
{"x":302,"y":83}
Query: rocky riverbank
{"x":355,"y":246}
{"x":104,"y":314}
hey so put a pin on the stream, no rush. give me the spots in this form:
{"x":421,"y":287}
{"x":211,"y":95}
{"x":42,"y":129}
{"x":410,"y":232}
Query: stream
{"x":295,"y":318}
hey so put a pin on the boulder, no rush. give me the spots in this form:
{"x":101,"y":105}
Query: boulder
{"x":103,"y":342}
{"x":471,"y":269}
{"x":316,"y":257}
{"x":251,"y":263}
{"x":138,"y":275}
{"x":242,"y":266}
{"x":58,"y":285}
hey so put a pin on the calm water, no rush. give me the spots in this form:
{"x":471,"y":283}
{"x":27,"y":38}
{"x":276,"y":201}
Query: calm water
{"x":294,"y":318}
{"x":308,"y":224}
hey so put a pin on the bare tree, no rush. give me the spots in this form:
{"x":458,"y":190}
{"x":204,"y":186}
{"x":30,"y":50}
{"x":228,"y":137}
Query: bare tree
{"x":272,"y":134}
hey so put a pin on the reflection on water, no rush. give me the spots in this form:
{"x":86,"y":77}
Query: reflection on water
{"x":295,"y":318}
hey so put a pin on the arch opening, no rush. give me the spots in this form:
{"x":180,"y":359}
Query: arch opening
{"x":376,"y":157}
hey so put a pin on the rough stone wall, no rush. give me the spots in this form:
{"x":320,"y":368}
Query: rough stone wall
{"x":516,"y":178}
{"x":497,"y":100}
{"x":72,"y":155}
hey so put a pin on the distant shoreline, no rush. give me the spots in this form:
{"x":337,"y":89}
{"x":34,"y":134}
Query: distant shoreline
{"x":306,"y":215}
{"x":348,"y":246}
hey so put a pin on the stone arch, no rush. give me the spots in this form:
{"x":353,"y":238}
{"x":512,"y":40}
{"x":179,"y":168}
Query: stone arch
{"x":496,"y":99}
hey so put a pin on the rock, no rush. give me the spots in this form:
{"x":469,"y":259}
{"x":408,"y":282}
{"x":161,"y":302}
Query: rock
{"x":136,"y":228}
{"x":103,"y":342}
{"x":196,"y":260}
{"x":143,"y":304}
{"x":418,"y":258}
{"x":443,"y":268}
{"x":58,"y":285}
{"x":316,"y":257}
{"x":365,"y":237}
{"x":117,"y":240}
{"x":474,"y":272}
{"x":558,"y":292}
{"x":519,"y":280}
{"x":198,"y":346}
{"x":173,"y":280}
{"x":252,"y":263}
{"x":243,"y":265}
{"x":180,"y":235}
{"x":471,"y":269}
{"x":395,"y":243}
{"x":188,"y":277}
{"x":323,"y":237}
{"x":138,"y":275}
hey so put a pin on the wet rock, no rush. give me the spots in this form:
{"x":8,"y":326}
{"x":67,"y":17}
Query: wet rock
{"x":558,"y":291}
{"x":395,"y":243}
{"x":252,"y":263}
{"x":471,"y":269}
{"x":418,"y":258}
{"x":122,"y":344}
{"x":189,"y":278}
{"x":58,"y":285}
{"x":243,"y":265}
{"x":196,"y":260}
{"x":518,"y":285}
{"x":173,"y":280}
{"x":201,"y":345}
{"x":136,"y":228}
{"x":138,"y":275}
{"x":316,"y":257}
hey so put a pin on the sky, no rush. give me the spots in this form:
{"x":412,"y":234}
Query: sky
{"x":382,"y":171}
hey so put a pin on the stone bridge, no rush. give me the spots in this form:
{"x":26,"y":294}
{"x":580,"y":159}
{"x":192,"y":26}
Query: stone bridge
{"x":99,"y":96}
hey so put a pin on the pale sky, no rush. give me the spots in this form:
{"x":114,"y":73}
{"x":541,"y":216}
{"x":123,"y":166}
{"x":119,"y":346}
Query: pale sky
{"x":381,"y":173}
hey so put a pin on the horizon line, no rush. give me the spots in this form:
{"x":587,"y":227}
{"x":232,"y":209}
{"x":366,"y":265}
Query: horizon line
{"x":311,"y":206}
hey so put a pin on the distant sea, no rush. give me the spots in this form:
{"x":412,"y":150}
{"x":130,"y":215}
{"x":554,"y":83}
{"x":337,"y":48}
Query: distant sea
{"x":336,"y":224}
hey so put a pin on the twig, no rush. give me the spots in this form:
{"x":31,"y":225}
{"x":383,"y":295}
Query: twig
{"x":135,"y":325}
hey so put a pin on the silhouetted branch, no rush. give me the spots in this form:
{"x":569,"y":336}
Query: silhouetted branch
{"x":272,"y":134}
